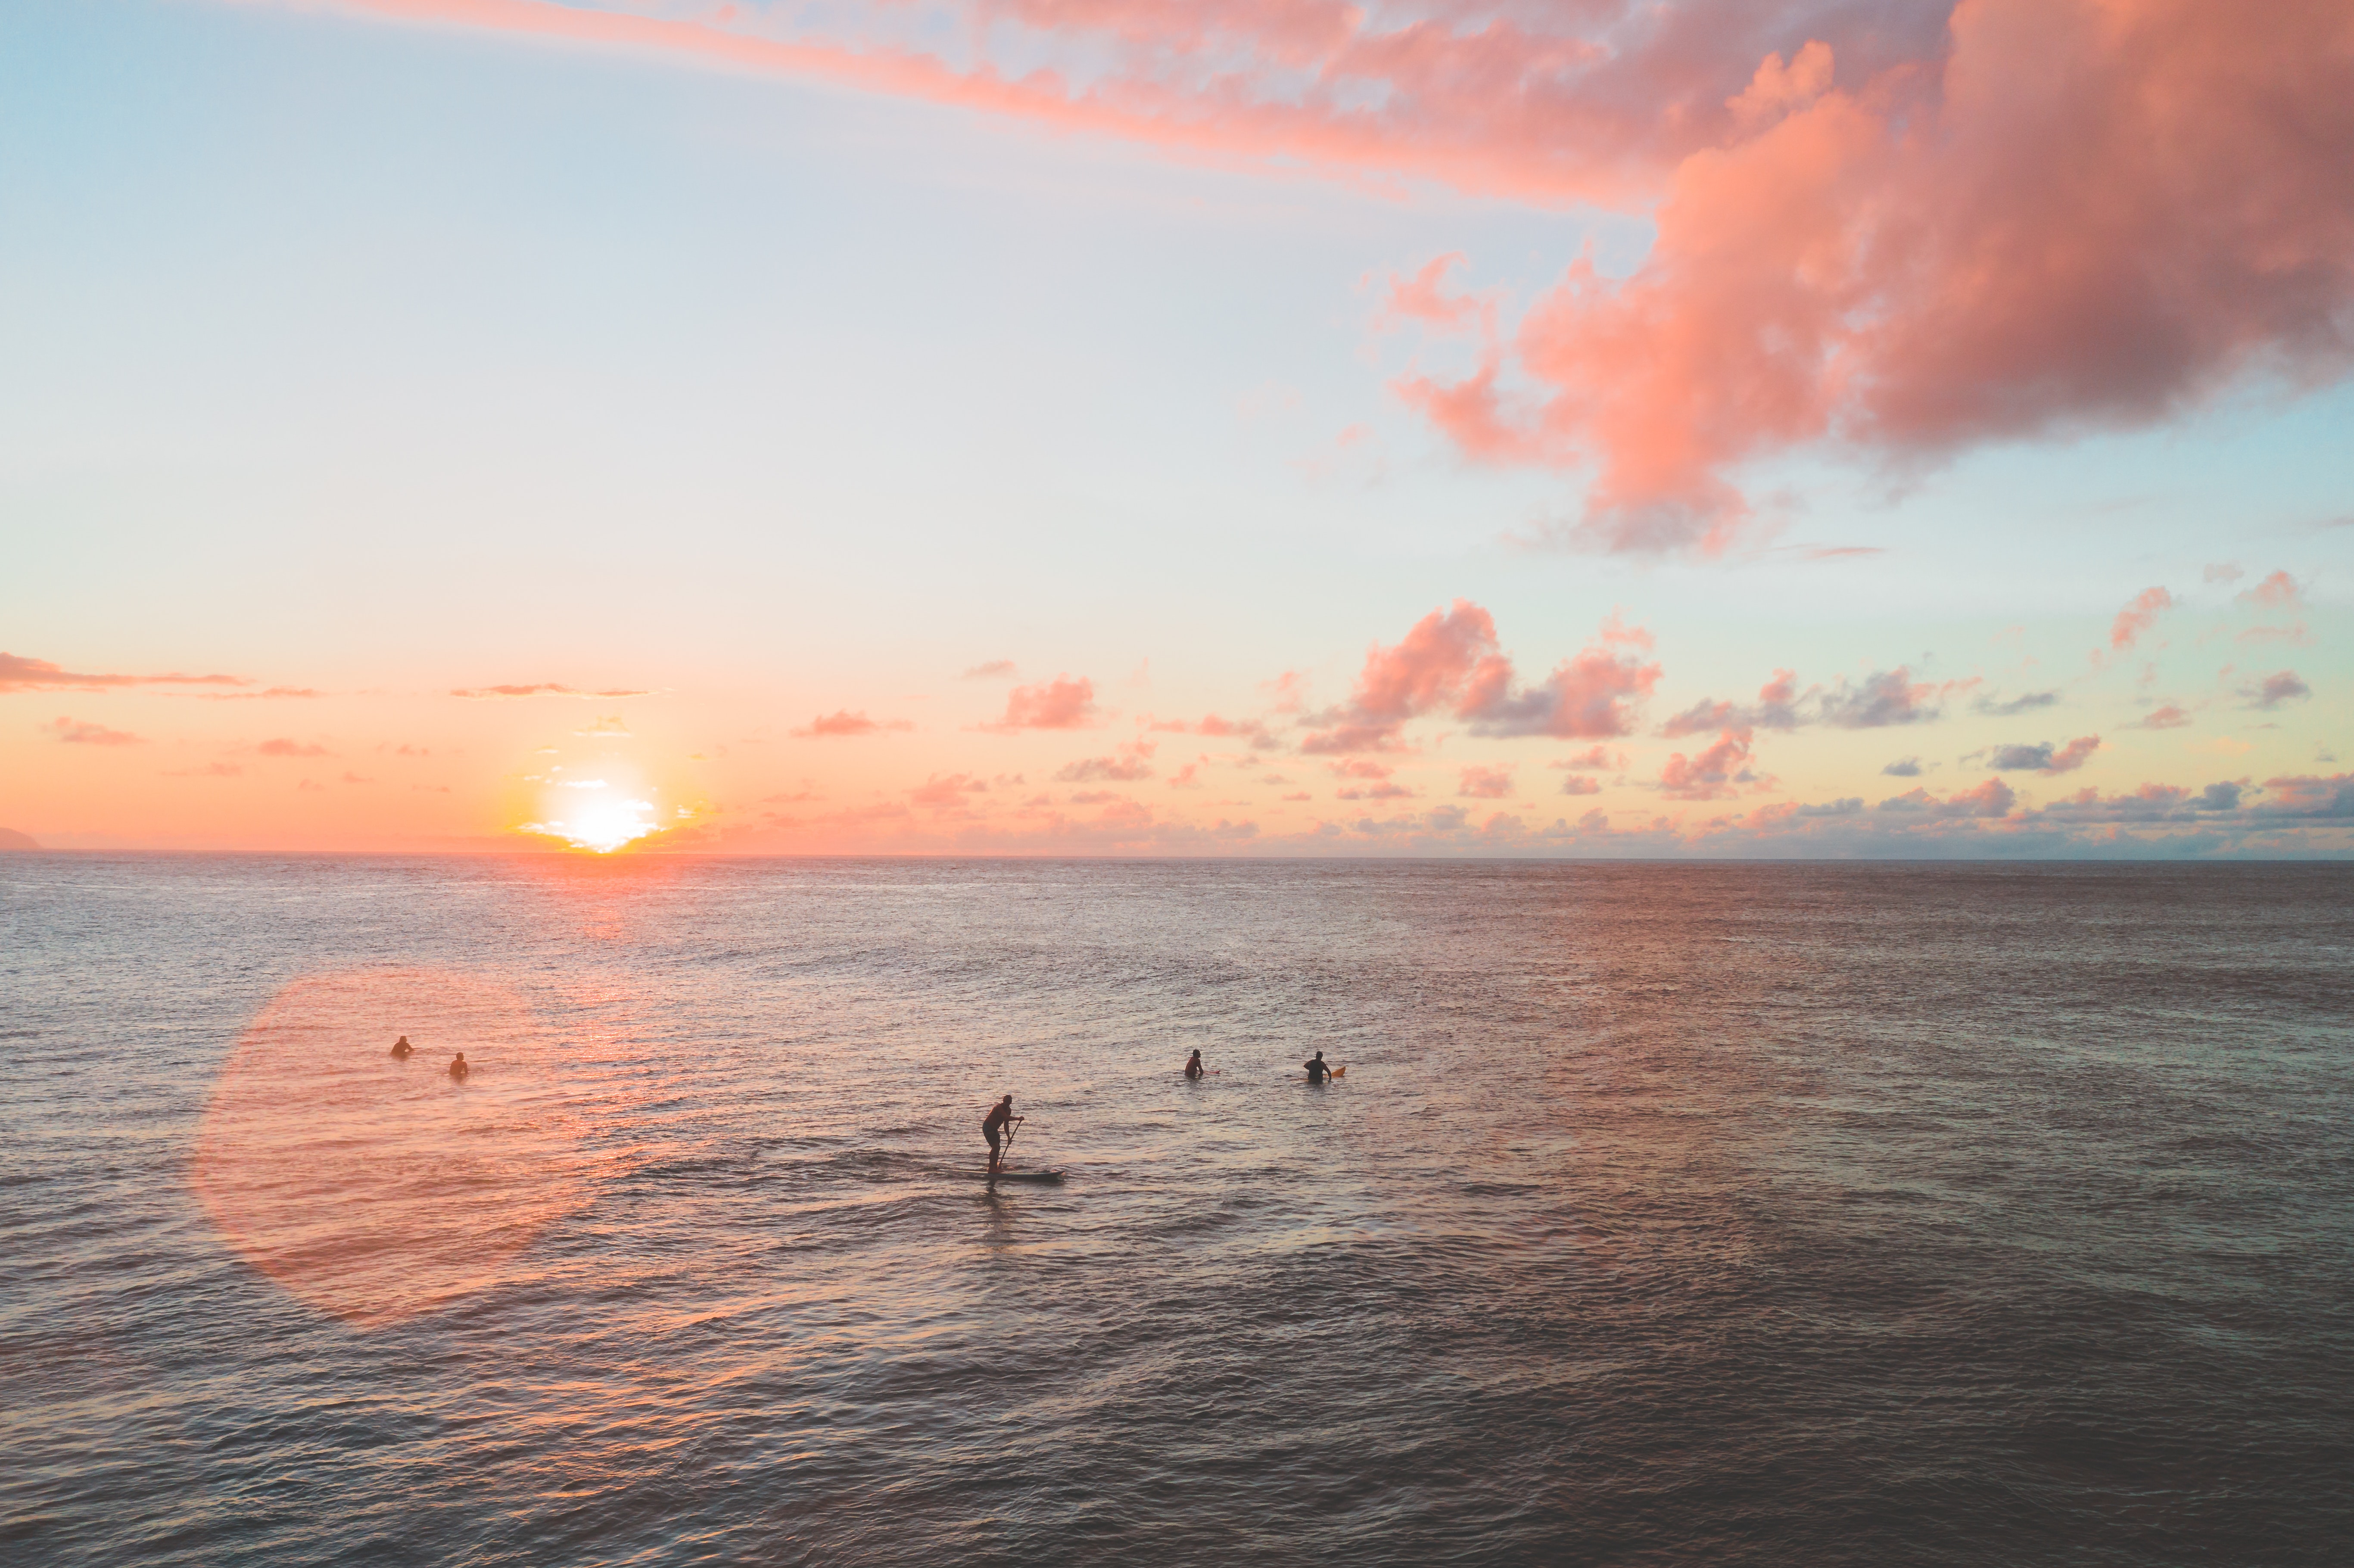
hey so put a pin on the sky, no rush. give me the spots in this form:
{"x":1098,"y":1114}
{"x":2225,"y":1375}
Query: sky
{"x":1143,"y":428}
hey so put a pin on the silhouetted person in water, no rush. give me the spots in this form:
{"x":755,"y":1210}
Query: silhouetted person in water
{"x":1317,"y":1071}
{"x":1001,"y":1116}
{"x":403,"y":1049}
{"x":1193,"y":1066}
{"x":458,"y":1068}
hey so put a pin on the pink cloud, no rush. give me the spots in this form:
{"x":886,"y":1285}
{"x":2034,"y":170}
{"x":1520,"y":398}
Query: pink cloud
{"x":1421,"y":299}
{"x":995,"y":669}
{"x":2044,"y":757}
{"x":284,"y":747}
{"x":1992,"y":799}
{"x":1450,"y":662}
{"x":1134,"y":761}
{"x":1059,"y":704}
{"x":1717,"y":772}
{"x":2309,"y":795}
{"x":77,"y":732}
{"x":1485,"y":783}
{"x":2138,"y":617}
{"x":841,"y":722}
{"x":2078,"y":213}
{"x":1251,"y":731}
{"x":2166,"y":717}
{"x":2277,"y":591}
{"x":543,"y":689}
{"x":1577,"y":785}
{"x":942,"y":790}
{"x":1594,"y":757}
{"x":1777,"y":708}
{"x":19,"y":673}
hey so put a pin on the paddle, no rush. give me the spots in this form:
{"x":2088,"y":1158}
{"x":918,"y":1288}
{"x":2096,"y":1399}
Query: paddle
{"x":1011,"y":1128}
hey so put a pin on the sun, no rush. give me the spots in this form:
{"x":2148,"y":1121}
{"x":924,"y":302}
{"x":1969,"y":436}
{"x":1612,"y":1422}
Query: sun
{"x":595,"y":814}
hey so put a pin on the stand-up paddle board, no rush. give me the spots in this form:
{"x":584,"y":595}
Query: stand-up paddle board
{"x":1026,"y":1176}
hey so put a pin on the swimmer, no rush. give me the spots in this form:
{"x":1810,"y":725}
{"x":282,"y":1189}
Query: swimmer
{"x":1193,"y":1066}
{"x":1001,"y":1115}
{"x":403,"y":1049}
{"x":1317,"y":1071}
{"x":458,"y":1068}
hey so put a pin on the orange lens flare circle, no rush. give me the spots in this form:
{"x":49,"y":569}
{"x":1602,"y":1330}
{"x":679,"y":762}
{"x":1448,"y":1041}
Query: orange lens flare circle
{"x":373,"y":1187}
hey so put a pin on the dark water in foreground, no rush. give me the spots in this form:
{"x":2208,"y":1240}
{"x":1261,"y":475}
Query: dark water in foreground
{"x":1732,"y":1214}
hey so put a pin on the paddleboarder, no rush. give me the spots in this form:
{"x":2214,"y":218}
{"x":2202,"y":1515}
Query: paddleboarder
{"x":1000,"y":1118}
{"x":1193,"y":1066}
{"x":1317,"y":1071}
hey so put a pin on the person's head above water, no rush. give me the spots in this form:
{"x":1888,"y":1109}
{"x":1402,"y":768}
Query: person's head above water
{"x":402,"y":1040}
{"x":1320,"y":1055}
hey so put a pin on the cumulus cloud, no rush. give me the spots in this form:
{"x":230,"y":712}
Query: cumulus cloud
{"x":1776,"y":708}
{"x":1485,"y":783}
{"x":1879,"y":700}
{"x":1904,"y":768}
{"x":1992,"y":799}
{"x":2281,"y":686}
{"x":1251,"y":732}
{"x":1719,"y":771}
{"x":19,"y":673}
{"x":842,"y":724}
{"x":1059,"y":704}
{"x":78,"y":731}
{"x":1133,"y":761}
{"x":943,"y":791}
{"x":2306,"y":795}
{"x":2278,"y":591}
{"x":1578,"y":784}
{"x":2081,"y":213}
{"x":1450,"y":662}
{"x":2167,"y":716}
{"x":2045,"y":758}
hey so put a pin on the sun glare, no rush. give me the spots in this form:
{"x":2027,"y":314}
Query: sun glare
{"x":593,"y":814}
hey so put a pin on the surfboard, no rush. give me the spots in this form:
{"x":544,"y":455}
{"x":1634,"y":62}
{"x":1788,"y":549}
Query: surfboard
{"x":1025,"y":1176}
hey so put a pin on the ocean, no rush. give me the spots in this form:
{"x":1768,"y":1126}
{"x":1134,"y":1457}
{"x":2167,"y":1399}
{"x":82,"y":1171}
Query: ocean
{"x":1791,"y":1214}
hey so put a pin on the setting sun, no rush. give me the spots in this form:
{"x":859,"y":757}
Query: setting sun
{"x":594,"y":814}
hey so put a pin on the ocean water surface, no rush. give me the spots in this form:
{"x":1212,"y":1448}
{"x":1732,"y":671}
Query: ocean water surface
{"x":1665,"y":1213}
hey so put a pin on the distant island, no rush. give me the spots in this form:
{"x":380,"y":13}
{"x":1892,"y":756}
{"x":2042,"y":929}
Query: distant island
{"x":10,"y":839}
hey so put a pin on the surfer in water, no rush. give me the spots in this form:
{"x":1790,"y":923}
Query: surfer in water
{"x":1193,"y":1066}
{"x":458,"y":1068}
{"x":1000,"y":1118}
{"x":403,"y":1049}
{"x":1317,"y":1071}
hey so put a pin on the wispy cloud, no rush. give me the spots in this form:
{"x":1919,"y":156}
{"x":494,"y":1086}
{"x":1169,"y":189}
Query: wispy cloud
{"x":19,"y":673}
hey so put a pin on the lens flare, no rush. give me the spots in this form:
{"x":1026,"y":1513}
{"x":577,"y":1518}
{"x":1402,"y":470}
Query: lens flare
{"x":595,"y":814}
